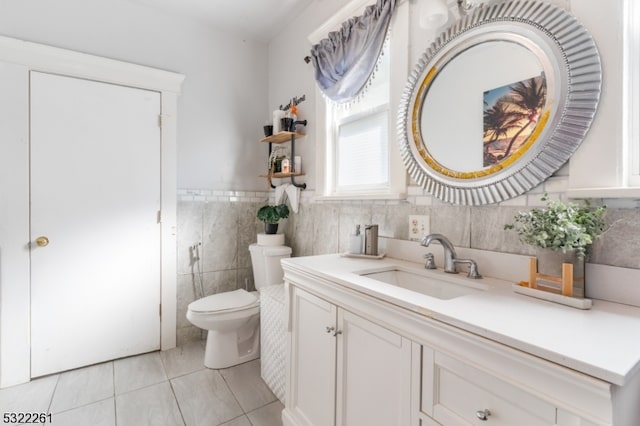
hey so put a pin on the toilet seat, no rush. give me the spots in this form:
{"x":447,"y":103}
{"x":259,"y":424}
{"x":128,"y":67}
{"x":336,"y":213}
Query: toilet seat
{"x":228,"y":302}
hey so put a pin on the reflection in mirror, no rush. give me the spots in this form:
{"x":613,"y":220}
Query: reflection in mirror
{"x":499,"y":102}
{"x":481,"y":113}
{"x":510,"y":118}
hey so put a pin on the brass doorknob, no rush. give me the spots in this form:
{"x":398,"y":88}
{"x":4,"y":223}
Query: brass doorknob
{"x":42,"y":241}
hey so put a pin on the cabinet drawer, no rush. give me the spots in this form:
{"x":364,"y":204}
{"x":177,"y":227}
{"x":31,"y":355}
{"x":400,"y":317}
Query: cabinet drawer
{"x":458,"y":393}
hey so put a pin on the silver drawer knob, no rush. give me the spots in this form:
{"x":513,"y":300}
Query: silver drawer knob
{"x":483,"y":414}
{"x":330,"y":329}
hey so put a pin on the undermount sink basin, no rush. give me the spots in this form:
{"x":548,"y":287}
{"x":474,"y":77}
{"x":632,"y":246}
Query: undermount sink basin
{"x":429,"y":283}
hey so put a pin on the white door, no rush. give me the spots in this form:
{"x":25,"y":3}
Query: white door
{"x":95,"y":195}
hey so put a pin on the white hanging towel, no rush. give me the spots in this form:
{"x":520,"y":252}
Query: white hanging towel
{"x":293,"y":192}
{"x":280,"y":191}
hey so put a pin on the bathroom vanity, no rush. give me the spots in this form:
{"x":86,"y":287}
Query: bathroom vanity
{"x":386,"y":342}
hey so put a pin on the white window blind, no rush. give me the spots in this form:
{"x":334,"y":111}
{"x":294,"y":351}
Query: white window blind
{"x":363,"y":152}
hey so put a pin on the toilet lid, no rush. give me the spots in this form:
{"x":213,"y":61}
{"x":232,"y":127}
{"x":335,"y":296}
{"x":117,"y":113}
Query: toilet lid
{"x":224,"y":301}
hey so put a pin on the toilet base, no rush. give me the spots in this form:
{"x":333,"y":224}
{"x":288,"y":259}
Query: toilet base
{"x":234,"y":347}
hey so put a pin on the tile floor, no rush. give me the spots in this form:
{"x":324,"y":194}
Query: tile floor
{"x":161,"y":388}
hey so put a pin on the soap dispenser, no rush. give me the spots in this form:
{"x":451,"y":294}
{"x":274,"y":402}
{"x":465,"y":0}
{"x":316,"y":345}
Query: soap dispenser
{"x":355,"y":242}
{"x":371,"y":240}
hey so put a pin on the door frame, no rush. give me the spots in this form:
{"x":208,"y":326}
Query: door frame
{"x":15,"y":345}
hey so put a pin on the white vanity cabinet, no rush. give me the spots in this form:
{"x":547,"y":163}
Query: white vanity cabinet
{"x":344,"y":369}
{"x":362,"y":353}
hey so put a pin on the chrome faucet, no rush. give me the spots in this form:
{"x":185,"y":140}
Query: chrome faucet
{"x":450,"y":256}
{"x":449,"y":251}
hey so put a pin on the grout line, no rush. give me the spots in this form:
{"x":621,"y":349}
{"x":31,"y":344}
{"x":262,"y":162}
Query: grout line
{"x":201,"y":342}
{"x":231,"y":390}
{"x":55,"y":388}
{"x":84,"y":405}
{"x":113,"y":377}
{"x":262,"y":406}
{"x":175,"y":398}
{"x":240,"y":416}
{"x":143,"y":387}
{"x":115,"y":411}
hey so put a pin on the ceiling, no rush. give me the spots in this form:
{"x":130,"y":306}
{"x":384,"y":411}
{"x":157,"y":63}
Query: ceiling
{"x":255,"y":19}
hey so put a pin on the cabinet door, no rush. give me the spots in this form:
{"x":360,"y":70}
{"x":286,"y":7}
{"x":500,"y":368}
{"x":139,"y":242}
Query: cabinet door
{"x":373,"y":374}
{"x":313,"y":360}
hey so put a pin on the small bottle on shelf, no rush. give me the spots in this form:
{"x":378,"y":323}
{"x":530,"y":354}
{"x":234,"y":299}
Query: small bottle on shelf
{"x":286,"y":166}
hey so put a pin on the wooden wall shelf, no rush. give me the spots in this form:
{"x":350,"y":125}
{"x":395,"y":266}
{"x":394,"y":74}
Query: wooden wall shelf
{"x":281,"y":175}
{"x":285,"y":137}
{"x":281,"y":137}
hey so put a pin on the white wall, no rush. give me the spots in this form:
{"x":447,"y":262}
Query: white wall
{"x":14,"y":224}
{"x":224,"y":97}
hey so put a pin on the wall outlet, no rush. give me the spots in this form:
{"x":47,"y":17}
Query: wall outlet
{"x":418,"y":227}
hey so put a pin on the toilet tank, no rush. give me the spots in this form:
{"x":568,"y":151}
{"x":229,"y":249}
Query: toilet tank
{"x":267,"y":269}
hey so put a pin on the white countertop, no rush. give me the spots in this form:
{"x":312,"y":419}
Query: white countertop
{"x":603,"y":342}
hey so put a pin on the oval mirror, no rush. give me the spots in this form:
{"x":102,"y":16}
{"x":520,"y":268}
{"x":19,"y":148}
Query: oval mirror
{"x":499,"y":102}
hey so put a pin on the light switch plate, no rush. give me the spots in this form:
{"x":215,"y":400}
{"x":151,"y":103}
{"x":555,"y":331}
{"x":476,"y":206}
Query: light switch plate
{"x":418,"y":227}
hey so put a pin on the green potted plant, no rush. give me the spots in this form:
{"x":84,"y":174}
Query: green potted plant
{"x":562,"y":234}
{"x":560,"y":226}
{"x":271,"y":215}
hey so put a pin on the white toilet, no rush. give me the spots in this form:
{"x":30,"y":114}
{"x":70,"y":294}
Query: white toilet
{"x":233,"y":318}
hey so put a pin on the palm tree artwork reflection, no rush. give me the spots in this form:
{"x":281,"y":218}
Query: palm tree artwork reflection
{"x":510,"y":117}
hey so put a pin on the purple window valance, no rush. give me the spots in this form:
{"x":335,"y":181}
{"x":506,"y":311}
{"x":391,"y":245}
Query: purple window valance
{"x":346,"y":59}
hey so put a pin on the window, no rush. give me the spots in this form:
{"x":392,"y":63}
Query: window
{"x":360,"y":138}
{"x":356,"y":149}
{"x":612,"y":146}
{"x":632,"y":93}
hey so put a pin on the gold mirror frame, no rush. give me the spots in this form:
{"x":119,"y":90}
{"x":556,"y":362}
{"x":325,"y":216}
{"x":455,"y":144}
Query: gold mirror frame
{"x":571,"y":66}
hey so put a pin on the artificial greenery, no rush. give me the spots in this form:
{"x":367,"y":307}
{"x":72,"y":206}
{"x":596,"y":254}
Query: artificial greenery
{"x":560,"y":226}
{"x":273,"y":214}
